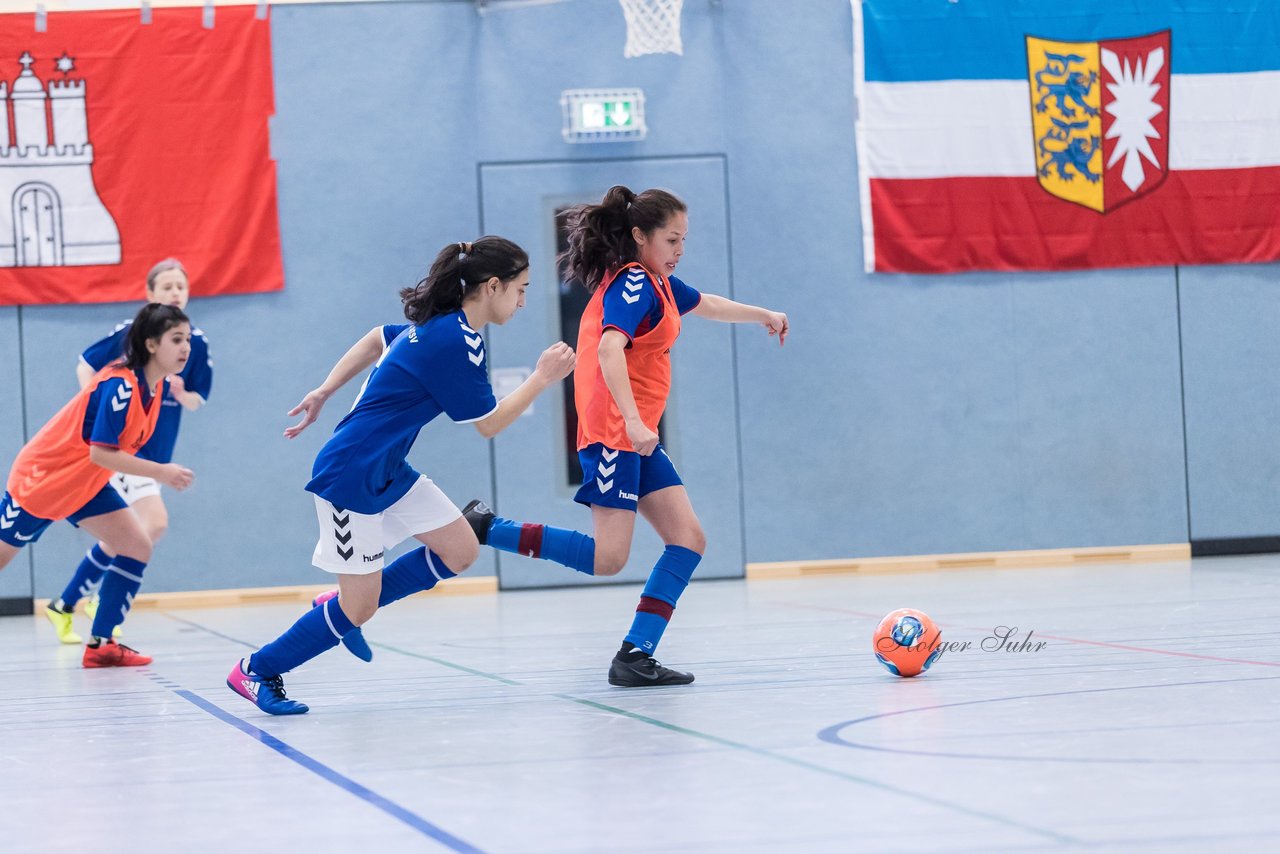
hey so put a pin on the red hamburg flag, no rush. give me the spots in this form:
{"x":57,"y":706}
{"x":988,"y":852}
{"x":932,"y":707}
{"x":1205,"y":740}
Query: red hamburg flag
{"x":122,"y":143}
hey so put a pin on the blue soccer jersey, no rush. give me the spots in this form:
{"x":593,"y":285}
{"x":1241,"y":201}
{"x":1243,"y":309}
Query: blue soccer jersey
{"x":197,"y":376}
{"x":438,"y":367}
{"x":391,"y":331}
{"x":633,"y":308}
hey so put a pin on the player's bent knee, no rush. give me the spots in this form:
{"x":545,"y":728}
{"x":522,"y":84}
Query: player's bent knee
{"x":607,"y":564}
{"x":139,"y":550}
{"x":694,"y":540}
{"x":360,"y":613}
{"x":155,"y":532}
{"x":460,"y":558}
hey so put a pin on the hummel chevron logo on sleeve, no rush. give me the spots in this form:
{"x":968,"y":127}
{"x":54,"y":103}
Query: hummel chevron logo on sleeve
{"x":121,"y":398}
{"x":476,"y":344}
{"x":632,"y":287}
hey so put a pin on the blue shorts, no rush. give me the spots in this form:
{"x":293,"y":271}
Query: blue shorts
{"x":19,"y":528}
{"x":621,"y":478}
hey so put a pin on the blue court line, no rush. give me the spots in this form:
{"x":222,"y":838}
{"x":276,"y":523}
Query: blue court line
{"x":326,"y":773}
{"x":832,"y":772}
{"x":832,"y":734}
{"x":759,"y":751}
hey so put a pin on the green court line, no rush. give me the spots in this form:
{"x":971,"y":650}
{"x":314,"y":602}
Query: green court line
{"x":747,"y":748}
{"x":495,"y":677}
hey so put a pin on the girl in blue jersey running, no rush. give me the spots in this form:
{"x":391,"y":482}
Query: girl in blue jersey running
{"x":367,"y":497}
{"x":167,"y":284}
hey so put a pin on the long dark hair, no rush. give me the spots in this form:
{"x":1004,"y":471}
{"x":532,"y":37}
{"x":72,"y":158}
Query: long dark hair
{"x":154,"y":320}
{"x":458,"y":270}
{"x":600,"y":235}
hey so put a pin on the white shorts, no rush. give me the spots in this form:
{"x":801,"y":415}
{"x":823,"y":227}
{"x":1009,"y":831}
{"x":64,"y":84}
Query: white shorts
{"x":133,"y":488}
{"x":353,"y":543}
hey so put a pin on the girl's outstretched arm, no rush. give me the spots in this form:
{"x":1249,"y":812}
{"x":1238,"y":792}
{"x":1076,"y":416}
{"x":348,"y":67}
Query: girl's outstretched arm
{"x":361,"y":355}
{"x":720,"y":308}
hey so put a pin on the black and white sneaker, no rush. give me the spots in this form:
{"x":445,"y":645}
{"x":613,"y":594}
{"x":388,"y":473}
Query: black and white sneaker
{"x":479,"y":516}
{"x":637,"y":670}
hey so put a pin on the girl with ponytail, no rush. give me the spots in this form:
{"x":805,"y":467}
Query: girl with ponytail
{"x":64,"y":472}
{"x":367,"y":497}
{"x":457,"y":274}
{"x":625,"y":250}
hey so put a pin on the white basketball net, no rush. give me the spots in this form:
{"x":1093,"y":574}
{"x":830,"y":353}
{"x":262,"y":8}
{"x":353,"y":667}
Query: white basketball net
{"x":653,"y":26}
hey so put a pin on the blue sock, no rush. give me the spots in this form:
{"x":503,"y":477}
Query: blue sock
{"x":568,"y":548}
{"x":317,"y":631}
{"x":87,"y":576}
{"x":411,"y":573}
{"x":669,"y":578}
{"x":120,"y":584}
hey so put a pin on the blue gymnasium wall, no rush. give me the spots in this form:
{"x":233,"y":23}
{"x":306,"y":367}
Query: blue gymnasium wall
{"x":905,"y":415}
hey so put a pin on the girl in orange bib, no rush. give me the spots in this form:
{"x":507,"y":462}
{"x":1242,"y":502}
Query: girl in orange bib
{"x":64,"y":471}
{"x":625,"y":251}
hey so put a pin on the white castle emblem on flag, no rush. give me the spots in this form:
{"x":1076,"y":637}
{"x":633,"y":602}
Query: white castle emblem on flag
{"x":50,"y":213}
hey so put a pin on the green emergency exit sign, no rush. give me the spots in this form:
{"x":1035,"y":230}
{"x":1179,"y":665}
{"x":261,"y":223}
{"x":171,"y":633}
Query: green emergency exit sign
{"x":603,"y":115}
{"x":607,"y":114}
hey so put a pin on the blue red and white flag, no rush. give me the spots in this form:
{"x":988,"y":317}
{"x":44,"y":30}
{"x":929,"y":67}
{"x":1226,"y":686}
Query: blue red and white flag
{"x":1037,"y":135}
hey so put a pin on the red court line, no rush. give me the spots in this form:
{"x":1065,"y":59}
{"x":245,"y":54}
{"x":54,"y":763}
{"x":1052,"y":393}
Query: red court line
{"x":1165,"y":651}
{"x":1061,"y":638}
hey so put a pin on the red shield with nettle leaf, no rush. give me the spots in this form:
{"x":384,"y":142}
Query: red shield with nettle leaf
{"x":122,"y":143}
{"x":1100,"y":117}
{"x":1135,"y":116}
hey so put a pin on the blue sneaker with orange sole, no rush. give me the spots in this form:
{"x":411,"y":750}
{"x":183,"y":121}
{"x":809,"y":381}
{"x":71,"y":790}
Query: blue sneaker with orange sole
{"x":265,"y":692}
{"x":354,"y":640}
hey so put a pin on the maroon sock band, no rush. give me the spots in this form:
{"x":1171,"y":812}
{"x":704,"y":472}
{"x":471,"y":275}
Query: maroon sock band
{"x":649,"y":605}
{"x":531,"y":540}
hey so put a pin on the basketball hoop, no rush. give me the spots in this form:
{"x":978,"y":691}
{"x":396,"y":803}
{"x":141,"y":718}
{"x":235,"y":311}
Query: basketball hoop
{"x":653,"y":26}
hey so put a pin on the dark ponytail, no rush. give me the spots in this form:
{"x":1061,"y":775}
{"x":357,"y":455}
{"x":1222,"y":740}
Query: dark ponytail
{"x":458,"y":270}
{"x":600,"y":235}
{"x":153,"y":321}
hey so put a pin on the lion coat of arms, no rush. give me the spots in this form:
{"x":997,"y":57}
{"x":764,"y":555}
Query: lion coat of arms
{"x":1100,"y":117}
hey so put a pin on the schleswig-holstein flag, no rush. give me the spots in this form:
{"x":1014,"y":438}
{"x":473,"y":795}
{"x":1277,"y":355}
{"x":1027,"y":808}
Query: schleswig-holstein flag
{"x":1042,"y":135}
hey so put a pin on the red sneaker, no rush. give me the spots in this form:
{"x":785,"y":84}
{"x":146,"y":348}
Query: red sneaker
{"x":112,"y":654}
